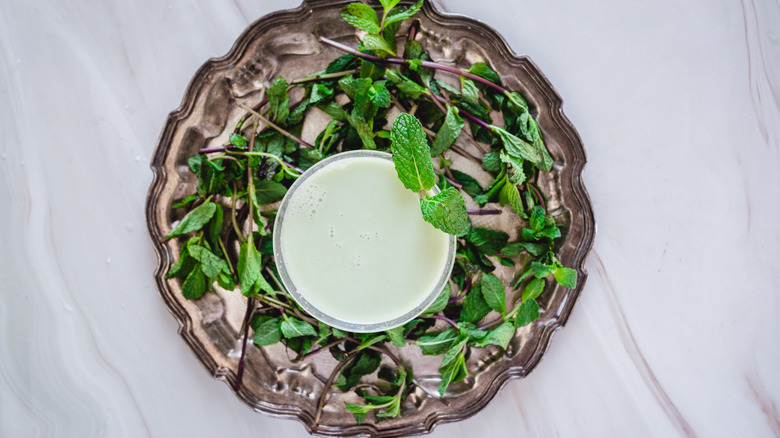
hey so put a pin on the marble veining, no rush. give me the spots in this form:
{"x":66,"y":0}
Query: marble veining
{"x":675,"y":334}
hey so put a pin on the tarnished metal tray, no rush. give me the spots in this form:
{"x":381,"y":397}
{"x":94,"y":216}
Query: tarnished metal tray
{"x":285,"y":44}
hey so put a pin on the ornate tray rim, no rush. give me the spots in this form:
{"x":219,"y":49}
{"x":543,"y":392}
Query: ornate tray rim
{"x":163,"y":251}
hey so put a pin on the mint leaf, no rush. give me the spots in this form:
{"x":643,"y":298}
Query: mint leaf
{"x":501,"y":335}
{"x":510,"y":194}
{"x":361,"y":16}
{"x":364,"y":129}
{"x":566,"y":277}
{"x":468,"y":90}
{"x":533,"y":289}
{"x":238,"y":140}
{"x":378,"y":45}
{"x":366,"y":363}
{"x":437,"y":343}
{"x":183,"y":265}
{"x":527,"y":313}
{"x":453,"y":366}
{"x":535,"y":249}
{"x":215,"y":226}
{"x":194,"y":285}
{"x":538,"y":143}
{"x":268,"y":191}
{"x":452,"y":353}
{"x":440,"y":303}
{"x":279,"y":101}
{"x":209,"y":262}
{"x":448,"y":133}
{"x":408,"y":87}
{"x":196,"y":219}
{"x":516,"y":147}
{"x":486,"y":240}
{"x":294,"y":328}
{"x":540,"y":270}
{"x":515,"y":172}
{"x":446,"y":211}
{"x":353,"y":87}
{"x":185,"y":202}
{"x":399,"y":14}
{"x":225,"y":281}
{"x":491,"y":162}
{"x":379,"y":94}
{"x":493,"y":291}
{"x":484,"y":71}
{"x":411,"y":154}
{"x":250,"y":270}
{"x":320,"y":93}
{"x":396,"y":336}
{"x":474,"y":306}
{"x":472,"y":331}
{"x":516,"y":103}
{"x":359,"y":411}
{"x":268,"y":332}
{"x":536,"y":219}
{"x":388,"y":4}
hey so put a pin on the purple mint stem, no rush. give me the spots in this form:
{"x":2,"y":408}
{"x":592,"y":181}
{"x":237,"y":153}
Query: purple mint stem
{"x":250,"y":305}
{"x":463,"y":292}
{"x":445,"y":319}
{"x":452,"y":182}
{"x":428,"y":64}
{"x":483,"y":212}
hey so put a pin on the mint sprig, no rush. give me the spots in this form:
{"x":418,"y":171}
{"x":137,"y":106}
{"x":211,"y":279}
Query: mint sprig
{"x":445,"y":210}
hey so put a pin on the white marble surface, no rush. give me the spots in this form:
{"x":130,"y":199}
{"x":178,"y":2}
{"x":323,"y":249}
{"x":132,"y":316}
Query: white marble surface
{"x":675,"y":334}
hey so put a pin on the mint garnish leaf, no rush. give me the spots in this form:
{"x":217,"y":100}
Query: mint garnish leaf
{"x":446,"y":211}
{"x":411,"y":154}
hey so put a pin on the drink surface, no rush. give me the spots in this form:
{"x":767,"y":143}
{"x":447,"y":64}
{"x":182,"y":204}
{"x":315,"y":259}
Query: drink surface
{"x":356,"y":246}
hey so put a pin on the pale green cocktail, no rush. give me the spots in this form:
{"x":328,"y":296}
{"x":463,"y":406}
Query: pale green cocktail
{"x":352,"y":247}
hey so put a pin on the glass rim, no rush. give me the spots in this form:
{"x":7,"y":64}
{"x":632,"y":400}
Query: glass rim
{"x":313,"y":310}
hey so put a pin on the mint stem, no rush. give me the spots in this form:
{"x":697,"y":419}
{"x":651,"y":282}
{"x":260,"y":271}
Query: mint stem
{"x":240,"y":373}
{"x":451,"y":181}
{"x":276,"y":127}
{"x":216,"y":149}
{"x":443,"y":318}
{"x":428,"y":64}
{"x":465,"y":113}
{"x":483,"y":212}
{"x":463,"y":293}
{"x":538,"y":195}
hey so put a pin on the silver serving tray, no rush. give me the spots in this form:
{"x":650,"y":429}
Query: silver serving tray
{"x":285,"y":44}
